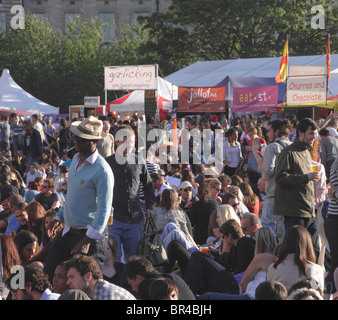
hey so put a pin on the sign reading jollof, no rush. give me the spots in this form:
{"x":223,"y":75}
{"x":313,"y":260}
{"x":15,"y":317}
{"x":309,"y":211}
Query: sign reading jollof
{"x":201,"y":99}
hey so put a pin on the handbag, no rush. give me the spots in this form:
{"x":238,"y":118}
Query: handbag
{"x":152,"y":246}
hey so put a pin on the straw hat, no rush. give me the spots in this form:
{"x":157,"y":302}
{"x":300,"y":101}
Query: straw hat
{"x":89,"y":128}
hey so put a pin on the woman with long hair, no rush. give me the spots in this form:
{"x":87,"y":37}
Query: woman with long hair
{"x":250,"y":200}
{"x":255,"y":141}
{"x":266,"y":245}
{"x":9,"y":258}
{"x":296,"y":260}
{"x":200,"y":214}
{"x":31,"y":217}
{"x":232,"y":153}
{"x":215,"y":188}
{"x":171,"y":221}
{"x":27,"y":245}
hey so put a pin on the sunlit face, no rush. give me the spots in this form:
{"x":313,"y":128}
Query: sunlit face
{"x":126,"y":146}
{"x":60,"y":280}
{"x":234,"y":136}
{"x":29,"y":251}
{"x":47,"y":221}
{"x":308,"y":137}
{"x":270,"y":134}
{"x":214,"y":191}
{"x":6,"y":206}
{"x":22,"y":216}
{"x":234,"y":202}
{"x":32,"y":169}
{"x":76,"y":281}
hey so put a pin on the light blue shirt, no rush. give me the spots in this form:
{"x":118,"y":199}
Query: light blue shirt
{"x":49,"y":295}
{"x":89,"y":196}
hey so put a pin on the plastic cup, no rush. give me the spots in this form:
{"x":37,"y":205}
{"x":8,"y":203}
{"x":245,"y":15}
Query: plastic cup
{"x":315,"y":168}
{"x":204,"y":250}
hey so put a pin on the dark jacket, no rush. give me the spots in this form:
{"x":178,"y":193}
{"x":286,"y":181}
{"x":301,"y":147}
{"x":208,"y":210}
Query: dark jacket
{"x":35,"y":145}
{"x":126,"y":198}
{"x":294,"y":193}
{"x":240,"y":256}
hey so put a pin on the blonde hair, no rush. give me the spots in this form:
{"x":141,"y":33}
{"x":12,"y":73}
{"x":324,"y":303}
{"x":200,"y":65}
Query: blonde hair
{"x":227,"y":212}
{"x":265,"y":241}
{"x":214,"y":183}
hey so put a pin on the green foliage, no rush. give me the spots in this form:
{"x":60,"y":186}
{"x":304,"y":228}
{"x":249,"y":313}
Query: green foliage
{"x":60,"y":68}
{"x":195,"y":30}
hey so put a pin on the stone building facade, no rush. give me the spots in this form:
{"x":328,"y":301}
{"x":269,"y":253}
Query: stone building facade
{"x":58,"y":12}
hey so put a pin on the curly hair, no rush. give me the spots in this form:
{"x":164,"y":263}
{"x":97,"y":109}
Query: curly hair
{"x":84,"y":264}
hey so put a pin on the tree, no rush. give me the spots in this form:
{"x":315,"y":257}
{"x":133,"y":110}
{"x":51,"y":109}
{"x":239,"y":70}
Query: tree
{"x":60,"y":68}
{"x":195,"y":30}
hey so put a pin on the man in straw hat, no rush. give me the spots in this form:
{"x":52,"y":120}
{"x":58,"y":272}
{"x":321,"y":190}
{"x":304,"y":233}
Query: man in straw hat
{"x":88,"y":202}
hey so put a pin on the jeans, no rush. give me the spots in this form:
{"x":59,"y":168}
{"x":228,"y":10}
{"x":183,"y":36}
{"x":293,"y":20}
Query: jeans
{"x":271,"y":220}
{"x":331,"y":231}
{"x":172,"y":232}
{"x":310,"y":224}
{"x":128,"y":236}
{"x":204,"y":274}
{"x":63,"y":245}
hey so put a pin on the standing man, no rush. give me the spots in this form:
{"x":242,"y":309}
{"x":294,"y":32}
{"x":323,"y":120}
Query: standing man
{"x":5,"y":134}
{"x":294,"y":192}
{"x":37,"y":125}
{"x":33,"y":144}
{"x":88,"y":202}
{"x":129,"y":171}
{"x":16,"y":134}
{"x":105,"y":146}
{"x":278,"y":136}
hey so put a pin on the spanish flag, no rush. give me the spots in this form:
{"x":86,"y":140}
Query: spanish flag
{"x":283,"y":69}
{"x":328,"y":59}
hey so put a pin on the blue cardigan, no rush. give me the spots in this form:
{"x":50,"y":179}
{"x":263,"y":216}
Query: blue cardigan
{"x":89,"y":196}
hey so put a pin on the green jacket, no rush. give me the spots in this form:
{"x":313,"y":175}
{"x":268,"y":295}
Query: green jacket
{"x":294,"y":193}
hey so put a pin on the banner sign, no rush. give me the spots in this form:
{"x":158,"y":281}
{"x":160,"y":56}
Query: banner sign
{"x":201,"y":99}
{"x":92,"y":101}
{"x":130,"y":78}
{"x":254,"y":98}
{"x":300,"y":71}
{"x":306,"y":90}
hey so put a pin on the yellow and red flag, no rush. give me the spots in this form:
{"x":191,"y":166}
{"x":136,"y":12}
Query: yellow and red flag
{"x":328,"y":58}
{"x":283,"y":69}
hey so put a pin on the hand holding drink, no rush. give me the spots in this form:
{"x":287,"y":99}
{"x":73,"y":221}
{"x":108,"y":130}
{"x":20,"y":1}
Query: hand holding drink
{"x":314,"y":175}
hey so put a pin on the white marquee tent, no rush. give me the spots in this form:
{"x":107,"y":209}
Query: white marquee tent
{"x":13,"y":96}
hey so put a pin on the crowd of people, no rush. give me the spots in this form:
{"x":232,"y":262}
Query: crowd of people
{"x":75,"y":198}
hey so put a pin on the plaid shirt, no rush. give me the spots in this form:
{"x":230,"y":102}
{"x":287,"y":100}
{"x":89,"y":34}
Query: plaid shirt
{"x":108,"y":291}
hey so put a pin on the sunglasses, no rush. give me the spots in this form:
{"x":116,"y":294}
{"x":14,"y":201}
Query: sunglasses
{"x":187,"y":189}
{"x":78,"y":139}
{"x":42,"y":186}
{"x":235,"y":205}
{"x":247,"y":228}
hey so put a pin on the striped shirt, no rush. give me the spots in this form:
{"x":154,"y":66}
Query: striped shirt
{"x":333,"y":205}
